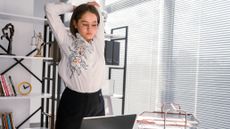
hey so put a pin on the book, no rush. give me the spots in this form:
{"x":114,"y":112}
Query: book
{"x":12,"y":85}
{"x":5,"y":88}
{"x":1,"y":89}
{"x":12,"y":120}
{"x":4,"y":121}
{"x":3,"y":92}
{"x":8,"y":121}
{"x":112,"y":52}
{"x":1,"y":126}
{"x":9,"y":87}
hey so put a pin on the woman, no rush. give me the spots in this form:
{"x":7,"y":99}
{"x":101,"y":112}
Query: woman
{"x":82,"y":65}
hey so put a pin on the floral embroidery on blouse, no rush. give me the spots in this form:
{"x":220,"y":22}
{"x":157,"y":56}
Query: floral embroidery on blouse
{"x":79,"y":50}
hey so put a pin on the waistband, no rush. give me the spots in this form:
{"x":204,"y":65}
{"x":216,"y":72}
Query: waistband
{"x":68,"y":90}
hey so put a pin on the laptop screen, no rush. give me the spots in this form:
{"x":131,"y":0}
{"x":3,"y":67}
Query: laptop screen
{"x":109,"y":122}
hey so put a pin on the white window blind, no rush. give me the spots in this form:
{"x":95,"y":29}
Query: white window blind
{"x":198,"y":67}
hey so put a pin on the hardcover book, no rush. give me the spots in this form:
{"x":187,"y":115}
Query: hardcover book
{"x":5,"y":88}
{"x":1,"y":89}
{"x":12,"y":85}
{"x":9,"y":87}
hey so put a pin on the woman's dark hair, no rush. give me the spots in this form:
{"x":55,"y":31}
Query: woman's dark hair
{"x":78,"y":12}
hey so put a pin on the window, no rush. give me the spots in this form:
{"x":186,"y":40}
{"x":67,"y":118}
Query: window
{"x":197,"y":68}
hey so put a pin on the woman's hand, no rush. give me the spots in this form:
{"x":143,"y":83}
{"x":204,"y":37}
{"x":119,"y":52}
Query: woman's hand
{"x":94,"y":3}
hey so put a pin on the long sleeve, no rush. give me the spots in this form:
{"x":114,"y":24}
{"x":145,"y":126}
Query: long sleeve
{"x":53,"y":10}
{"x":61,"y":33}
{"x":99,"y":38}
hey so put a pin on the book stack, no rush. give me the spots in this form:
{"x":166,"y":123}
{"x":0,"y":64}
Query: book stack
{"x":7,"y":87}
{"x":6,"y":121}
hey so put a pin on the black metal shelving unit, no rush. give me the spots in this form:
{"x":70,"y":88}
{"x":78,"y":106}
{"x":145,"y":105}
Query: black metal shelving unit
{"x":124,"y":67}
{"x":52,"y":82}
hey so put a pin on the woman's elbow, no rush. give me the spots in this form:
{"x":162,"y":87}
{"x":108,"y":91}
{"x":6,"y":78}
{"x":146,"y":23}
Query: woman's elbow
{"x":48,"y":7}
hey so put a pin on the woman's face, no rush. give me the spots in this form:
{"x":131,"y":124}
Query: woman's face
{"x":87,"y":26}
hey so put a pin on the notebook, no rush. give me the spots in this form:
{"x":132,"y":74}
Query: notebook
{"x":109,"y":122}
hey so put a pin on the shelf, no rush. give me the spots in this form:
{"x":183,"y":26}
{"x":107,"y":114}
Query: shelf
{"x":116,"y":96}
{"x":10,"y":16}
{"x":115,"y":66}
{"x":26,"y":57}
{"x":114,"y":37}
{"x":26,"y":97}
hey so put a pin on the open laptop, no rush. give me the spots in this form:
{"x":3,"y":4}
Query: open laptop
{"x":109,"y":122}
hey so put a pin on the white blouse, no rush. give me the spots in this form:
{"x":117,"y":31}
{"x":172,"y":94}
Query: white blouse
{"x":82,"y":65}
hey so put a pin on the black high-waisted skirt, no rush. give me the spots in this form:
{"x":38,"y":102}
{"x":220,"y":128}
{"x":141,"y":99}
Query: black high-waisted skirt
{"x":74,"y":106}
